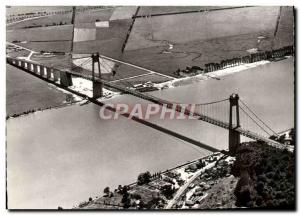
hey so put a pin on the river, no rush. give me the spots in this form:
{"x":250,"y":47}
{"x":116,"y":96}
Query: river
{"x":64,"y":156}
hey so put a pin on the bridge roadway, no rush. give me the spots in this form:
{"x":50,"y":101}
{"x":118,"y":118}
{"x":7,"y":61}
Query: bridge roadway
{"x":187,"y":112}
{"x":159,"y":101}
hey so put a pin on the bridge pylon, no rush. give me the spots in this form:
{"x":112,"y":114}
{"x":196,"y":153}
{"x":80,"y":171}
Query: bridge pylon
{"x":97,"y":85}
{"x":234,"y":136}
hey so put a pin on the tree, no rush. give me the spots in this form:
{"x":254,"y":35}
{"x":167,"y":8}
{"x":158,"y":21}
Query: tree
{"x":120,"y":188}
{"x":200,"y":164}
{"x":144,"y":178}
{"x":106,"y":190}
{"x":126,"y":200}
{"x":168,"y":191}
{"x":124,"y":190}
{"x":141,"y":204}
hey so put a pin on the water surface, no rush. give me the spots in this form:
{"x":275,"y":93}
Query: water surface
{"x":64,"y":156}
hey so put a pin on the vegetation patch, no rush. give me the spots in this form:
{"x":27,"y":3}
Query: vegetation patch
{"x":267,"y":177}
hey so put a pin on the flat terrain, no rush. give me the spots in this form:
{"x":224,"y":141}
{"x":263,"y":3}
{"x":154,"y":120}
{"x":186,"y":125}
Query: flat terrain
{"x":14,"y":10}
{"x":188,"y":27}
{"x":52,"y":33}
{"x":151,"y":10}
{"x":160,"y":43}
{"x":108,"y":41}
{"x":197,"y":53}
{"x":150,"y":39}
{"x":25,"y":92}
{"x":81,"y":17}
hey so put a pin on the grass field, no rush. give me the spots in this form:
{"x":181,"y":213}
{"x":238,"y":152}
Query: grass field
{"x":202,"y":51}
{"x":42,"y":21}
{"x":108,"y":41}
{"x":196,"y":53}
{"x":52,"y":33}
{"x":150,"y":10}
{"x":182,"y":28}
{"x":81,"y":17}
{"x":14,"y":10}
{"x":25,"y":92}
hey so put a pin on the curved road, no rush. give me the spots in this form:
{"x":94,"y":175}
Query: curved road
{"x":186,"y":185}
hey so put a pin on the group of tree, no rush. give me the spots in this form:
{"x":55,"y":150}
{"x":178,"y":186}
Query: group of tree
{"x":267,"y":176}
{"x":144,"y":178}
{"x":168,"y":191}
{"x":267,"y":55}
{"x":156,"y":175}
{"x":125,"y":198}
{"x":209,"y":67}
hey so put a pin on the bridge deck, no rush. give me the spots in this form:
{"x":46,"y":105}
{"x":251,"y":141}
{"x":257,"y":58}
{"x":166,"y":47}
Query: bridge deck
{"x":178,"y":108}
{"x":187,"y":112}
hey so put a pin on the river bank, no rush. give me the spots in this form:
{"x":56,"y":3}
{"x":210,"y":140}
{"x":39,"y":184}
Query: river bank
{"x":192,"y":180}
{"x":217,"y":181}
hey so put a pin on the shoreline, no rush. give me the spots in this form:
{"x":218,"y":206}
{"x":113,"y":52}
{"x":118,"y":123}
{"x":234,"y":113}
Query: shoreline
{"x":210,"y":75}
{"x":210,"y":161}
{"x":41,"y":110}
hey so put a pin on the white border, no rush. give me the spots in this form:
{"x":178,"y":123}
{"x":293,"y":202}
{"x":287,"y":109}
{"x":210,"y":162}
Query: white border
{"x":104,"y":2}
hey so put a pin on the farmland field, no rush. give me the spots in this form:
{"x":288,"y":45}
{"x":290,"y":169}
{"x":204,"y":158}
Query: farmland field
{"x":108,"y":41}
{"x":81,"y":17}
{"x":14,"y":10}
{"x":150,"y":10}
{"x":154,"y":51}
{"x":56,"y":38}
{"x":52,"y":33}
{"x":160,"y":43}
{"x":195,"y":53}
{"x":42,"y":21}
{"x":154,"y":31}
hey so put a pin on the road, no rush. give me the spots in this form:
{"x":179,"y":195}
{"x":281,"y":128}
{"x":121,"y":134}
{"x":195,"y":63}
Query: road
{"x":30,"y":50}
{"x":186,"y":185}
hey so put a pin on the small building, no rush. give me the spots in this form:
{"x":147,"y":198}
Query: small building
{"x":287,"y":140}
{"x":189,"y":203}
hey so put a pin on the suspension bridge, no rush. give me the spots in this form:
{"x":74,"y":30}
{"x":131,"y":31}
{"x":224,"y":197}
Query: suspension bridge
{"x":215,"y":113}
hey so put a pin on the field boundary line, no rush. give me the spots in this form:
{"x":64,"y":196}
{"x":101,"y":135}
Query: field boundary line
{"x":136,"y":76}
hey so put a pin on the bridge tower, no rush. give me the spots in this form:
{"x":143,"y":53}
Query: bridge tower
{"x":97,"y":85}
{"x":234,"y":136}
